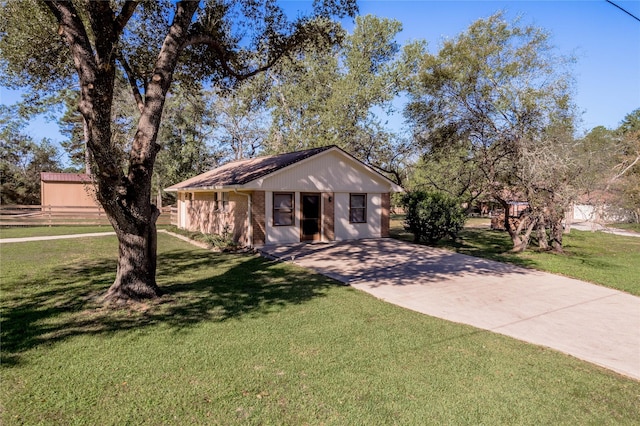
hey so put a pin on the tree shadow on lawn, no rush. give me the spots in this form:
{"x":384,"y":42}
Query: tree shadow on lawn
{"x":477,"y":242}
{"x":198,"y":286}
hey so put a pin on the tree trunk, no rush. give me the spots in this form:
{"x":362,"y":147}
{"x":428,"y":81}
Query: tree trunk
{"x":87,"y":154}
{"x":521,"y":240}
{"x":543,"y":243}
{"x":556,"y":232}
{"x":126,"y":199}
{"x":520,"y":244}
{"x":137,"y":258}
{"x":568,"y":219}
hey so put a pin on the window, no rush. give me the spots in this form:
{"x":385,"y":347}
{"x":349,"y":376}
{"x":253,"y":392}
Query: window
{"x":224,"y":201}
{"x":282,"y":209}
{"x":358,"y":208}
{"x":221,"y":200}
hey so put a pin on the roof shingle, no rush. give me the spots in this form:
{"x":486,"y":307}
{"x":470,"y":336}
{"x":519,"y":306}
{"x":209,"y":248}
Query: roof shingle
{"x":244,"y":171}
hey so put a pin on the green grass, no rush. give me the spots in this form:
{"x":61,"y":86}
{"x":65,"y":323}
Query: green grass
{"x":626,"y":226}
{"x":241,"y":340}
{"x":605,"y":259}
{"x":42,"y":231}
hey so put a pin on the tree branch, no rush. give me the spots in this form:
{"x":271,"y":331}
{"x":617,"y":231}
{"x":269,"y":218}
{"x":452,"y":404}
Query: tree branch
{"x":144,"y":148}
{"x":128,"y":8}
{"x":102,"y":24}
{"x":132,"y":82}
{"x":223,"y":55}
{"x":73,"y":31}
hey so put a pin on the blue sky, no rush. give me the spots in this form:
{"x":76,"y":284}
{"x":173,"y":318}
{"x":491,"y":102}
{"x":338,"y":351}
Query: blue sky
{"x":605,"y":40}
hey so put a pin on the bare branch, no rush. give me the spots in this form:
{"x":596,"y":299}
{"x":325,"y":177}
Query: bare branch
{"x":622,"y":172}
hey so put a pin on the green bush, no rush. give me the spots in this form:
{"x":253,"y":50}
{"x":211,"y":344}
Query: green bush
{"x":432,"y":216}
{"x":223,"y":242}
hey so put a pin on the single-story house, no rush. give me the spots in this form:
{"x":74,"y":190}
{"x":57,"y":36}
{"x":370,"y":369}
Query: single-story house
{"x":320,"y":194}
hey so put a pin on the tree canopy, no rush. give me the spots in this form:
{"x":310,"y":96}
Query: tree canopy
{"x":487,"y":101}
{"x":21,"y":160}
{"x":47,"y":46}
{"x":333,"y":96}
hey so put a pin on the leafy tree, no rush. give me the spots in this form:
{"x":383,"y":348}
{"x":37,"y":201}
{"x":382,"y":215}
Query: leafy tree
{"x":432,"y":216}
{"x":186,"y":128}
{"x":50,"y":45}
{"x":71,"y":125}
{"x":21,"y":161}
{"x":242,"y":121}
{"x":330,"y":97}
{"x":610,"y":160}
{"x":451,"y":172}
{"x":492,"y":94}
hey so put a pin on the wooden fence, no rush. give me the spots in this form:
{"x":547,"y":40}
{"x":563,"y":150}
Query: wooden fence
{"x":173,"y":215}
{"x":15,"y":215}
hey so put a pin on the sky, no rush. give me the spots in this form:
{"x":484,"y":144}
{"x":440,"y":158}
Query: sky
{"x":604,"y":39}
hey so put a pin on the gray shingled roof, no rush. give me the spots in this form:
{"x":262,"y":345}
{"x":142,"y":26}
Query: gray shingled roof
{"x":242,"y":172}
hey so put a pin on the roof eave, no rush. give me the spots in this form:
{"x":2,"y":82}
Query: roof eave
{"x":205,"y":188}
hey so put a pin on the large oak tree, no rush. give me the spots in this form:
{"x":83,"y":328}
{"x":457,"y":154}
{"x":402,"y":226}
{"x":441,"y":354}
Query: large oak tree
{"x":51,"y":45}
{"x":492,"y":100}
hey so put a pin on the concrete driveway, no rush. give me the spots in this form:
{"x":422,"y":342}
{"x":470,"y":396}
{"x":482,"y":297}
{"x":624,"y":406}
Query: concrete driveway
{"x":593,"y":323}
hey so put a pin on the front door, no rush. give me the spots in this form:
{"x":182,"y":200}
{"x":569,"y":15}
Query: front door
{"x":310,"y":217}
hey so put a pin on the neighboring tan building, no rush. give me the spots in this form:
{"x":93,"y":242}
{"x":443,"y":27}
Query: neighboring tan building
{"x":67,"y":190}
{"x":321,"y":194}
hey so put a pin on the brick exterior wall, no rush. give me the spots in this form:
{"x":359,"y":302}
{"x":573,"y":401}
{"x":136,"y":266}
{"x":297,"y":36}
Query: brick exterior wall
{"x":258,"y":217}
{"x":239,"y":213}
{"x":203,"y":216}
{"x":384,"y":214}
{"x":328,"y":216}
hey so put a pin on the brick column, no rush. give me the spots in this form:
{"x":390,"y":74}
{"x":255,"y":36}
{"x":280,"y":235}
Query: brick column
{"x":385,"y":209}
{"x":328,"y":214}
{"x":258,"y":217}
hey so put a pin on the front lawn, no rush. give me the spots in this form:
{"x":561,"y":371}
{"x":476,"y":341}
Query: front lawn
{"x":601,"y":258}
{"x":238,"y":339}
{"x":43,"y":231}
{"x":635,"y":227}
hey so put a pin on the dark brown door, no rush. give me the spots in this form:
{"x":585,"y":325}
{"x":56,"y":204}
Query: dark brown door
{"x":310,"y":218}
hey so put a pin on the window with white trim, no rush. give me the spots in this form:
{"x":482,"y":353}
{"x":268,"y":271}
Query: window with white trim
{"x":357,"y":208}
{"x":283,"y":209}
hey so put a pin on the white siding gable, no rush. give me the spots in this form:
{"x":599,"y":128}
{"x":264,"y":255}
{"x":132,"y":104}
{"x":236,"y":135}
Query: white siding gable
{"x":330,"y":171}
{"x":344,"y":230}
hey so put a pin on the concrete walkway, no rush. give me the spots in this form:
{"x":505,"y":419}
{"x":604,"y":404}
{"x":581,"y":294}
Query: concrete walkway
{"x":593,"y":227}
{"x":54,"y":237}
{"x":590,"y":322}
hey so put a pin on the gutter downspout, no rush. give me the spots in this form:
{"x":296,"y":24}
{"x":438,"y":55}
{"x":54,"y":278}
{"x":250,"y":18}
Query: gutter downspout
{"x":249,"y":221}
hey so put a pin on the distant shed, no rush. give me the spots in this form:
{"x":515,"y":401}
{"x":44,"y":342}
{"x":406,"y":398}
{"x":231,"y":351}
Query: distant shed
{"x":67,"y":190}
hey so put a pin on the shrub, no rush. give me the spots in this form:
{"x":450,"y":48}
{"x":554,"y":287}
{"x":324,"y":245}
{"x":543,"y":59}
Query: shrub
{"x":432,"y":216}
{"x":223,"y":242}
